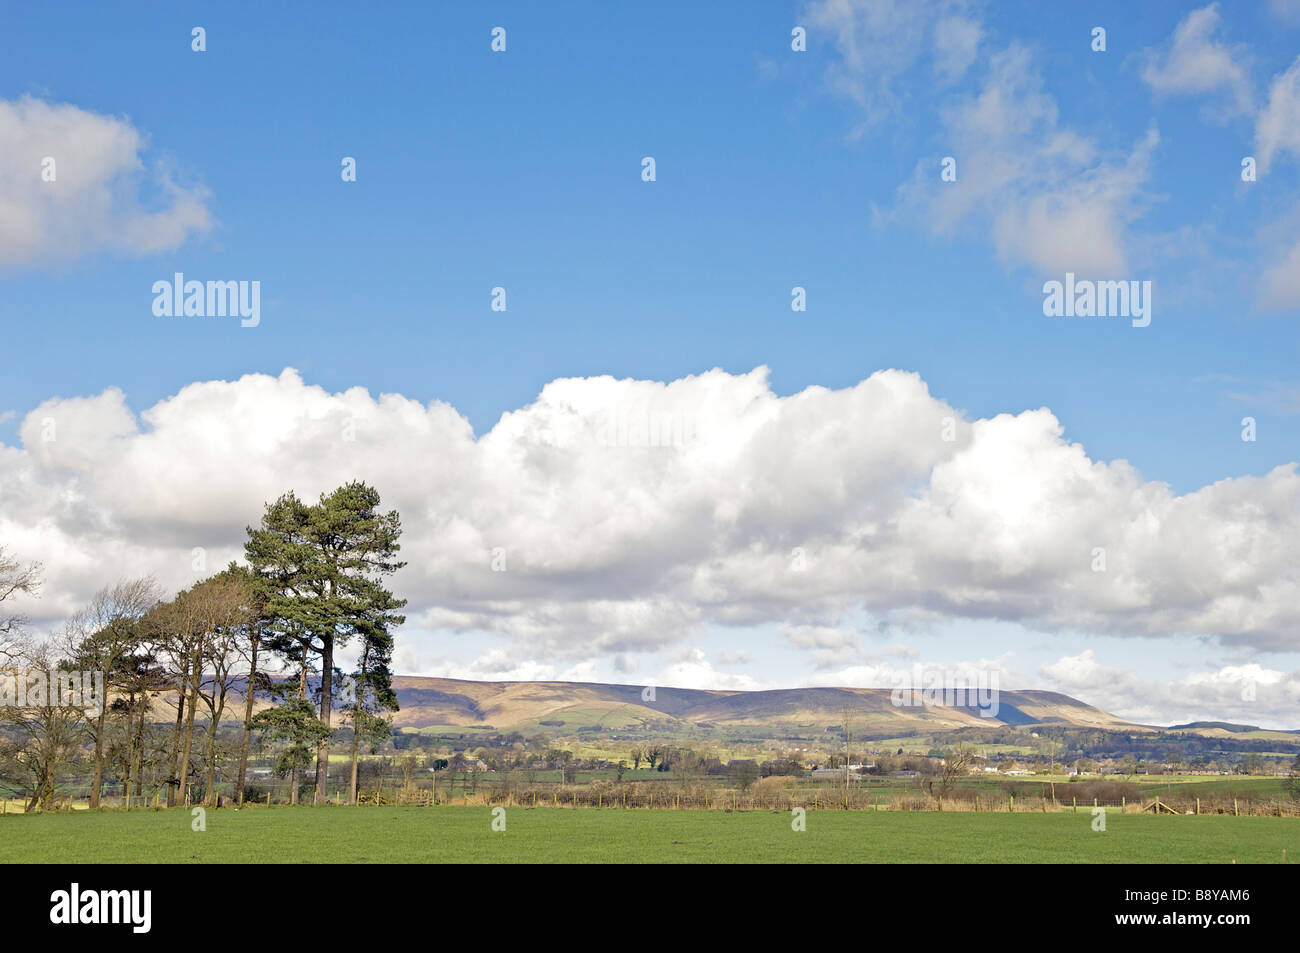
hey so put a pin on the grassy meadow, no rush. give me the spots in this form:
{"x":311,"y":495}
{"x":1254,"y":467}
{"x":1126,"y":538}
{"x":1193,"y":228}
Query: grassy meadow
{"x":547,"y":835}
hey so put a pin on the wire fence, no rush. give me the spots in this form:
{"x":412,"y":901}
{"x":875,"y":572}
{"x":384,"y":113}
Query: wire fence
{"x":635,"y":796}
{"x":760,"y":797}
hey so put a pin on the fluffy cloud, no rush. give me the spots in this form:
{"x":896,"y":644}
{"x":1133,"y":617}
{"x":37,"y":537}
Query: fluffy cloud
{"x":1245,"y":693}
{"x":692,"y":669}
{"x":1047,"y":196}
{"x":1287,"y":11}
{"x":956,"y":43}
{"x":495,"y":665}
{"x":882,"y":673}
{"x":829,"y":645}
{"x":1277,"y":130}
{"x":630,"y":514}
{"x":1195,"y":62}
{"x":1280,"y":282}
{"x":101,"y":197}
{"x":1277,"y":135}
{"x":879,"y":41}
{"x":1279,"y":398}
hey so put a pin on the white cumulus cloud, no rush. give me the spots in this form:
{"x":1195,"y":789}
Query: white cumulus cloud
{"x":1247,"y":693}
{"x":879,"y":41}
{"x":73,"y":182}
{"x":798,"y":510}
{"x":1277,"y":130}
{"x":1197,"y":62}
{"x":1046,"y":195}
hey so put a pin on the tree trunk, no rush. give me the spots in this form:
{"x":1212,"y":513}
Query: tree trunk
{"x":99,"y":755}
{"x":138,"y":773}
{"x":248,"y":716}
{"x":128,"y":758}
{"x":174,"y":754}
{"x":195,"y":674}
{"x":129,"y":754}
{"x":326,"y":689}
{"x":356,"y":719}
{"x":210,"y":753}
{"x":353,"y":797}
{"x":302,"y":690}
{"x":135,"y":757}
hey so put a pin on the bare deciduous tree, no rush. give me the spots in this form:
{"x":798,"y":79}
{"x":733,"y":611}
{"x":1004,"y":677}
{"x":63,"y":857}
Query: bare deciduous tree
{"x":41,"y":738}
{"x":105,"y":637}
{"x":233,"y":616}
{"x":203,"y":623}
{"x":15,"y":579}
{"x":956,"y":764}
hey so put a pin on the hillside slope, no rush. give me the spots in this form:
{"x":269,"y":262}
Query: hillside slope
{"x":448,"y":702}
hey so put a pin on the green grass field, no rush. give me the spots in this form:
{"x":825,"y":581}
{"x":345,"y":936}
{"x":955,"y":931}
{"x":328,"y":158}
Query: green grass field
{"x":464,"y":835}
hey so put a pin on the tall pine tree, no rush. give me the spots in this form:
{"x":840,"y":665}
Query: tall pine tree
{"x":371,"y":693}
{"x":320,"y":570}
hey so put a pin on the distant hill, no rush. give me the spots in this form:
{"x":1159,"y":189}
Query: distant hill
{"x":1209,"y":725}
{"x":569,"y":706}
{"x":1227,"y":729}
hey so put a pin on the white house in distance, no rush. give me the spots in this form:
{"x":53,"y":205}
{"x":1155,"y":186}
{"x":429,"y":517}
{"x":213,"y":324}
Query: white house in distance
{"x":855,"y":771}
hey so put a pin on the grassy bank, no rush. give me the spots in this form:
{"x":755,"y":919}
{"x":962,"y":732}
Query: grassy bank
{"x":465,"y":835}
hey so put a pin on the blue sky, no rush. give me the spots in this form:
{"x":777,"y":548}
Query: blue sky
{"x":522,"y":169}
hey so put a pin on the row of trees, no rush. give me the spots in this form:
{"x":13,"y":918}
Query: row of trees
{"x":313,"y":585}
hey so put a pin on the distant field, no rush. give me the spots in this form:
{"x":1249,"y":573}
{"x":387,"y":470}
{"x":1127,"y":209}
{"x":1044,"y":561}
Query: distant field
{"x":1203,"y":786}
{"x":464,"y":835}
{"x":1150,"y":785}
